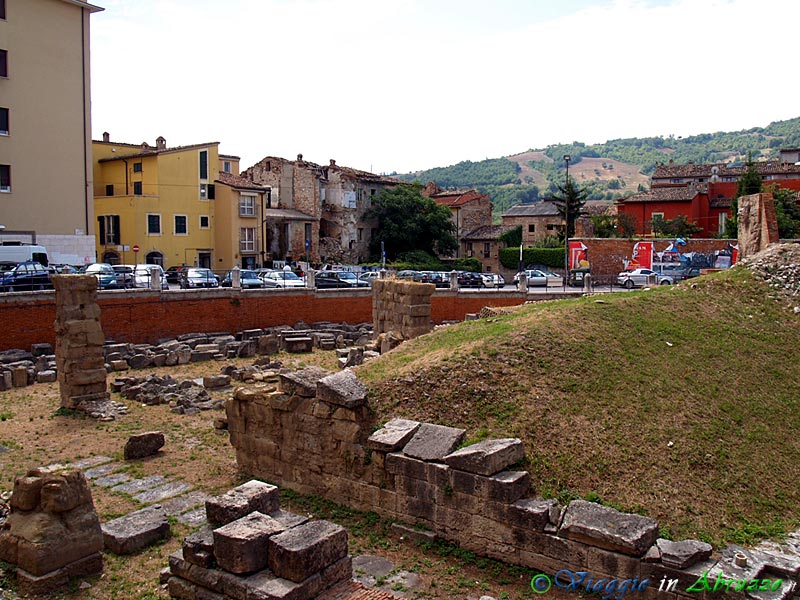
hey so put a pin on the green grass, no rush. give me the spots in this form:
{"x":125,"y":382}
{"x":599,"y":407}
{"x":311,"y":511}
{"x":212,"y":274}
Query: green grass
{"x":680,"y":403}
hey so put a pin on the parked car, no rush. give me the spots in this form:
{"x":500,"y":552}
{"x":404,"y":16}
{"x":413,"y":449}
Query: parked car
{"x":470,"y":279}
{"x":282,"y":279}
{"x":407,"y":274}
{"x":369,"y":276}
{"x":642,"y":277}
{"x":338,"y":279}
{"x":28,"y":275}
{"x":494,"y":280}
{"x":248,"y":279}
{"x":539,"y":278}
{"x":143,"y":274}
{"x":124,"y":274}
{"x":106,"y":278}
{"x":690,"y":272}
{"x":61,"y":269}
{"x":194,"y":277}
{"x":440,"y":279}
{"x":173,"y":274}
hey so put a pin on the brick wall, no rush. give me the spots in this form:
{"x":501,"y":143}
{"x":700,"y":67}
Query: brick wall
{"x":142,"y":316}
{"x":607,"y":255}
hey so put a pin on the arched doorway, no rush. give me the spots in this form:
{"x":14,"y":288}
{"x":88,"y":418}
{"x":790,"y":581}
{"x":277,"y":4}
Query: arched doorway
{"x":111,"y":257}
{"x":154,"y":258}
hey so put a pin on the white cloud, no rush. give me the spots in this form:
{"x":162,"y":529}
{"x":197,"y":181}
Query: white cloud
{"x":411,"y":84}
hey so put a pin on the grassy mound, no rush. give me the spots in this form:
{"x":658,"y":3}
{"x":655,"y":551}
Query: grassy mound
{"x":679,"y":403}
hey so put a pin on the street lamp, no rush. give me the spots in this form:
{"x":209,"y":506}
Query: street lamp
{"x":567,"y":158}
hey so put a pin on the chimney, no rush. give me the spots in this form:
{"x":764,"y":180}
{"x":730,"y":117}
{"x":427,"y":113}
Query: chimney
{"x":145,"y":146}
{"x":106,"y":136}
{"x":333,"y":163}
{"x":299,"y":158}
{"x":161,"y":143}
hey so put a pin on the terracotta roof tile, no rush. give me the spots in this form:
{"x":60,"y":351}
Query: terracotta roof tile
{"x":667,"y":193}
{"x":457,"y":198}
{"x":152,"y":151}
{"x":704,"y":170}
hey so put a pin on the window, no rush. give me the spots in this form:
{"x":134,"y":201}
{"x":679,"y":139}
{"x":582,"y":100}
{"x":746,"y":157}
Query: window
{"x":531,"y":228}
{"x":203,"y":191}
{"x":360,"y":234}
{"x":226,"y":166}
{"x":3,"y":63}
{"x":153,"y":224}
{"x":181,"y":225}
{"x":137,"y":188}
{"x":551,"y":227}
{"x":5,"y":178}
{"x":109,"y":230}
{"x":247,"y":239}
{"x":3,"y":121}
{"x":723,"y":217}
{"x":3,"y":9}
{"x":110,"y":189}
{"x":486,"y":249}
{"x":203,"y":221}
{"x":212,"y":191}
{"x":137,"y":167}
{"x":204,"y":164}
{"x":247,"y":205}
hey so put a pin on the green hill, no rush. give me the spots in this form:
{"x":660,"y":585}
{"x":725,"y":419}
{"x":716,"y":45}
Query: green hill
{"x":677,"y":403}
{"x":611,"y":170}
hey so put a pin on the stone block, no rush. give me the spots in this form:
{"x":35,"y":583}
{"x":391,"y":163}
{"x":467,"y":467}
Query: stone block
{"x":607,"y":528}
{"x":508,"y":486}
{"x":240,"y":501}
{"x":19,"y":377}
{"x":300,"y":344}
{"x":433,"y":442}
{"x":198,"y":549}
{"x":393,"y":436}
{"x":144,"y":444}
{"x":530,"y":513}
{"x":342,"y":389}
{"x":300,"y":552}
{"x":135,"y":531}
{"x":604,"y":562}
{"x":241,"y":545}
{"x":679,"y":555}
{"x":302,"y":382}
{"x":46,"y":376}
{"x":400,"y":464}
{"x":216,"y":381}
{"x":487,"y":457}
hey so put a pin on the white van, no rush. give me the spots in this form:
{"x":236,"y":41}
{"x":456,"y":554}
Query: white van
{"x":14,"y":253}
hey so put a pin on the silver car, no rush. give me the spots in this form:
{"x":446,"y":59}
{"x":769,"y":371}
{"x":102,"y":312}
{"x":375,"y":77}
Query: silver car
{"x":642,"y":277}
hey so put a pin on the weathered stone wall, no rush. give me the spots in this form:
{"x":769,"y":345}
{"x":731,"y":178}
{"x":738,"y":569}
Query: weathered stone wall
{"x":314,"y":434}
{"x":474,"y":214}
{"x":403,"y":307}
{"x":758,"y":223}
{"x":53,"y":532}
{"x":80,"y":359}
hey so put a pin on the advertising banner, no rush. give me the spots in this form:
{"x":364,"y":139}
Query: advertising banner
{"x":578,"y":256}
{"x":642,"y":256}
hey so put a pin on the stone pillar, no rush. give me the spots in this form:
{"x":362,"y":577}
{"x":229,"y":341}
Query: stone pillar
{"x":155,"y":279}
{"x":402,"y":307}
{"x":453,"y":280}
{"x":758,"y":223}
{"x":523,"y":282}
{"x":310,"y":279}
{"x":587,"y":283}
{"x":79,"y":341}
{"x":236,"y":277}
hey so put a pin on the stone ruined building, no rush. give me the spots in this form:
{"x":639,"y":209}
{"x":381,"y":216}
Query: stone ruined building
{"x":470,"y":210}
{"x":317,"y":211}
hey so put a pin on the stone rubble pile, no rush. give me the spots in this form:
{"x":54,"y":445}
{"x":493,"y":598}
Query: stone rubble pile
{"x":184,"y":397}
{"x":257,"y":550}
{"x":779,"y":267}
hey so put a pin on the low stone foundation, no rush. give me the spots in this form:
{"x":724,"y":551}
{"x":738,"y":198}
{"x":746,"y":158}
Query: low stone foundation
{"x":315,"y":434}
{"x":403,"y":307}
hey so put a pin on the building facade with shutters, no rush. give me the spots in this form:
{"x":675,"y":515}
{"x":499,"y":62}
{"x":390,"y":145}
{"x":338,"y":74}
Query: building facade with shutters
{"x":158,"y":198}
{"x":45,"y":127}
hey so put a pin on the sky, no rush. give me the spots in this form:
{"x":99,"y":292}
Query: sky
{"x":406,"y":85}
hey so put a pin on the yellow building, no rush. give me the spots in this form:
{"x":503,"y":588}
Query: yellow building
{"x":45,"y":134}
{"x":240,"y":225}
{"x":159,"y":199}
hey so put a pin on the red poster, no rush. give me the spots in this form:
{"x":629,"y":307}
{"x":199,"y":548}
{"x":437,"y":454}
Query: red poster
{"x":578,"y":255}
{"x":642,"y":256}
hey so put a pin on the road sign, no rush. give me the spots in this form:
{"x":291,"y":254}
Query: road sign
{"x":135,"y":248}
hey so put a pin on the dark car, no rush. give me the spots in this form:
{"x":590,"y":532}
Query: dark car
{"x":249,"y":280}
{"x":106,"y":277}
{"x":28,"y":275}
{"x":173,"y":274}
{"x":338,"y":279}
{"x":469,"y":279}
{"x":124,"y":275}
{"x":198,"y":278}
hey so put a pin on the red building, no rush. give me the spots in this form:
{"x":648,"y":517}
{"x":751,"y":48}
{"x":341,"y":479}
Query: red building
{"x":703,"y":193}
